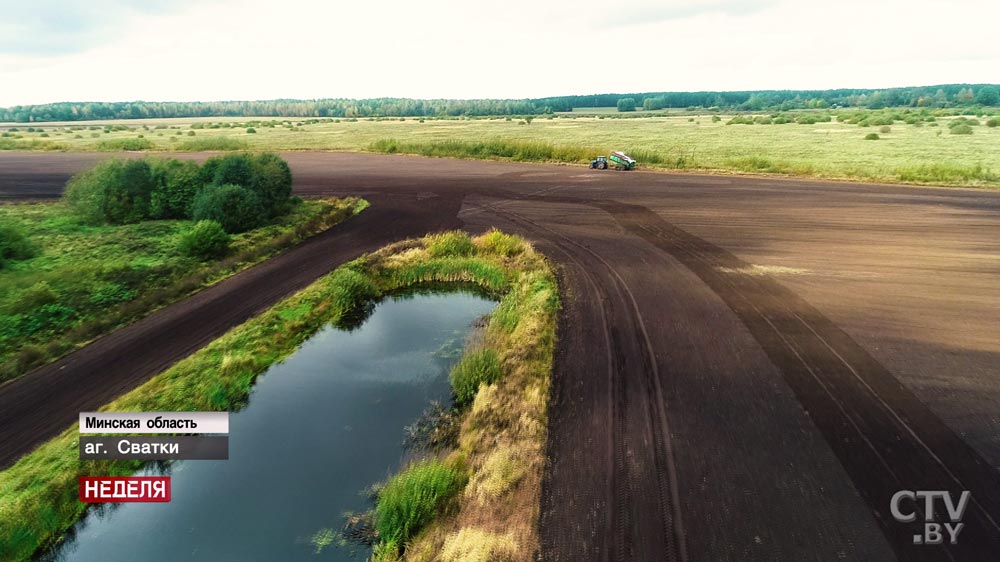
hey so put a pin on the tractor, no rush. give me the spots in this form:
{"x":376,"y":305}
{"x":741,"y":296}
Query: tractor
{"x":599,"y":163}
{"x":621,"y":160}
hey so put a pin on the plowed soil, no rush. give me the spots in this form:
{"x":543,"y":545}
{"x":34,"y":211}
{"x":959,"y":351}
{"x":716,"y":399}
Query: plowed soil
{"x":747,"y":368}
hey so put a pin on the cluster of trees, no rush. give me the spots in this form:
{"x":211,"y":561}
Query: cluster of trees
{"x":238,"y":192}
{"x":947,"y":95}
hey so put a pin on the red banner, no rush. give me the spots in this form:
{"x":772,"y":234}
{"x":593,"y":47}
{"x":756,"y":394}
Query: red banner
{"x":102,"y":489}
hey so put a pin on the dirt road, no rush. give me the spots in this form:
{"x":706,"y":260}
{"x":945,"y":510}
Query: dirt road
{"x":747,"y":369}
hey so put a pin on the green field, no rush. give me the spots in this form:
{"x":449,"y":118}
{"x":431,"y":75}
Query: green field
{"x":924,"y":151}
{"x":87,"y":280}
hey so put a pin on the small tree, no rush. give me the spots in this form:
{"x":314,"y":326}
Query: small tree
{"x":232,"y":169}
{"x":112,"y":191}
{"x":626,"y":104}
{"x":234,"y":207}
{"x":271,"y":180}
{"x":177,"y":182}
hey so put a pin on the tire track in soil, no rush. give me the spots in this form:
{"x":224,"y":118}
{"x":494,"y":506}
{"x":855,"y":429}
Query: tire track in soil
{"x":641,"y":526}
{"x":885,"y":438}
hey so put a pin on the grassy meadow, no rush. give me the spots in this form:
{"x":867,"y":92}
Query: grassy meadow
{"x":83,"y":280}
{"x":475,"y":498}
{"x":913,"y":145}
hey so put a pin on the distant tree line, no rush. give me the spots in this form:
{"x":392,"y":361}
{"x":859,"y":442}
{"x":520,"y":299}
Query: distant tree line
{"x":946,"y":95}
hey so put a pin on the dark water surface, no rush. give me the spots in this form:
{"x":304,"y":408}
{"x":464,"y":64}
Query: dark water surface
{"x":319,"y":428}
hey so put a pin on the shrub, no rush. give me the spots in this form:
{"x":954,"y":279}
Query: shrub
{"x":454,"y":243}
{"x":872,"y":136}
{"x":885,"y":129}
{"x":113,"y":191}
{"x":206,"y":240}
{"x":412,"y":498}
{"x":177,"y":182}
{"x":473,"y":369}
{"x":251,"y":130}
{"x":962,"y":129}
{"x":993,"y":122}
{"x":15,"y":245}
{"x":35,"y":296}
{"x":234,"y":207}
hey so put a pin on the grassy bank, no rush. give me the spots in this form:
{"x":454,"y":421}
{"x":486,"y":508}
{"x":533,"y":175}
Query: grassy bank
{"x":918,"y":145}
{"x":476,"y":494}
{"x":85,"y":280}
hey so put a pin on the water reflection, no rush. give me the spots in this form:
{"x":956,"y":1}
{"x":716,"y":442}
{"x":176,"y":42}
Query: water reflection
{"x":319,"y":428}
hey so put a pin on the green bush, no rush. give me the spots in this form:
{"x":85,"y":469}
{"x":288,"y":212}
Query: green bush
{"x":992,"y":122}
{"x":177,"y":182}
{"x":473,"y":369}
{"x":113,"y":191}
{"x":234,"y":207}
{"x":14,"y":245}
{"x":454,"y":243}
{"x":251,"y":130}
{"x":962,"y":129}
{"x":412,"y":498}
{"x":885,"y":129}
{"x":39,"y":294}
{"x":872,"y":136}
{"x":206,"y":240}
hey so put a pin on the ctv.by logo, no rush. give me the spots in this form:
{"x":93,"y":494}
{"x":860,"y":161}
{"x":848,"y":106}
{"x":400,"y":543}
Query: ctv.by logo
{"x":932,"y":530}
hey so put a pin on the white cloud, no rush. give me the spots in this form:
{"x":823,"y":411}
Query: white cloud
{"x":231,"y":49}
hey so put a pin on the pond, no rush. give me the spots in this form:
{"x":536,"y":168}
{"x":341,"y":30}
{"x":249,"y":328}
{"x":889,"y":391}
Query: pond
{"x":318,"y":429}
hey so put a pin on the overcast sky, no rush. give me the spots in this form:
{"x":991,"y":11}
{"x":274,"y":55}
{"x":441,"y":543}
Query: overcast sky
{"x":184,"y":50}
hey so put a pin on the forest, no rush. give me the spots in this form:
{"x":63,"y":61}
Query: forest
{"x":946,"y":95}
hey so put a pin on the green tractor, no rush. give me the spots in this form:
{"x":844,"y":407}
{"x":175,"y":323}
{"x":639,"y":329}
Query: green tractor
{"x":621,"y":161}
